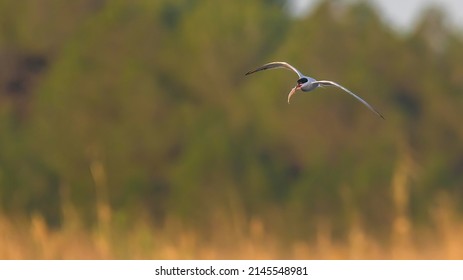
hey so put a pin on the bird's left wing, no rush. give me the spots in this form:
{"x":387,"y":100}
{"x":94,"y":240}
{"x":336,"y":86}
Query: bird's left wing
{"x":272,"y":65}
{"x":330,"y":83}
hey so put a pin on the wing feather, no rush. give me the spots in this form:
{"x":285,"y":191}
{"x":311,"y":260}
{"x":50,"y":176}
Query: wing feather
{"x":330,"y":83}
{"x":273,"y":65}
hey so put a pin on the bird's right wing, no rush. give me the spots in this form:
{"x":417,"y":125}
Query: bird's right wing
{"x":272,"y":65}
{"x":331,"y":83}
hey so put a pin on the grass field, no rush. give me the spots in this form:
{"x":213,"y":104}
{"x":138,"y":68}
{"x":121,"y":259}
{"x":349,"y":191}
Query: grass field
{"x":234,"y":236}
{"x":32,"y":239}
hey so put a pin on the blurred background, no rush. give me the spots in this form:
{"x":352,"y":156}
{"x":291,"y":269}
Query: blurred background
{"x":128,"y":130}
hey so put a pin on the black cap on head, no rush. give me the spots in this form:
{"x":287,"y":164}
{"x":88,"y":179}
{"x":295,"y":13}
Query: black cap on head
{"x":302,"y":81}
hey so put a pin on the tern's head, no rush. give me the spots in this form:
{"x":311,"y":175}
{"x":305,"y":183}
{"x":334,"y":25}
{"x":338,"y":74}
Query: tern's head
{"x":302,"y":82}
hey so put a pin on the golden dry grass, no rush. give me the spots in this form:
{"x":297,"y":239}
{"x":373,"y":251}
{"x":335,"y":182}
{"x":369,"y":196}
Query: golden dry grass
{"x":233,"y":237}
{"x":34,"y":240}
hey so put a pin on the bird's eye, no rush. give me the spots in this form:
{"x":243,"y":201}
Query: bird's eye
{"x":302,"y":81}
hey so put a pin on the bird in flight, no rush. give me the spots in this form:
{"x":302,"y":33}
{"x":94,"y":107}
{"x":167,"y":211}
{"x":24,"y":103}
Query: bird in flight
{"x":306,"y":83}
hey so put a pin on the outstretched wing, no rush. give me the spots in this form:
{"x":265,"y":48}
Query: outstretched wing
{"x":272,"y":65}
{"x":330,"y":83}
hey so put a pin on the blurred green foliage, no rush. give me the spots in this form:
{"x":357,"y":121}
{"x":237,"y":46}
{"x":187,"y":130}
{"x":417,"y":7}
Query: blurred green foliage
{"x":154,"y":91}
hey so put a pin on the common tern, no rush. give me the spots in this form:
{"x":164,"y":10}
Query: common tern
{"x":306,"y":83}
